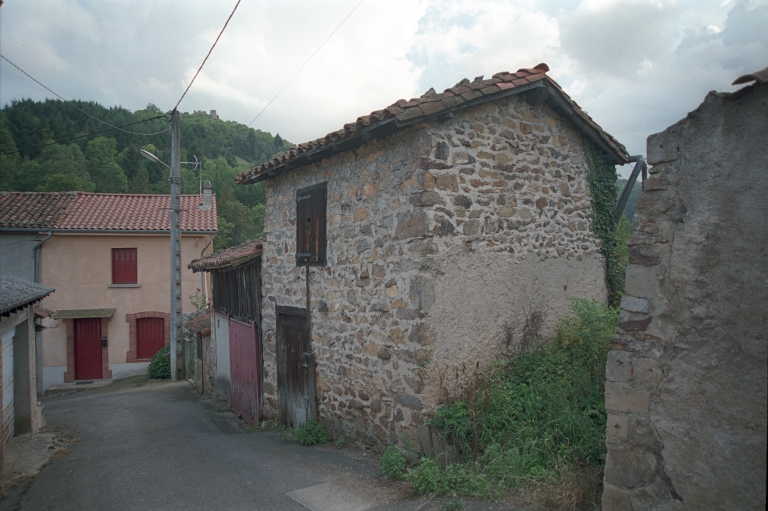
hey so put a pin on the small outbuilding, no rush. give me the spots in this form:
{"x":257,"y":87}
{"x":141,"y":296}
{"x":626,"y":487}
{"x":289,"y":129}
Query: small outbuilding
{"x":424,"y":233}
{"x":21,"y":412}
{"x":235,"y":340}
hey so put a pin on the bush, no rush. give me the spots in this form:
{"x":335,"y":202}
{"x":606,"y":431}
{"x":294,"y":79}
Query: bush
{"x":425,"y":478}
{"x":311,"y":433}
{"x":392,"y":462}
{"x":160,"y":365}
{"x":540,"y":419}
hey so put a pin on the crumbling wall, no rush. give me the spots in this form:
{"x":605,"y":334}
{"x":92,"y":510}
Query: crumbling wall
{"x":686,"y":377}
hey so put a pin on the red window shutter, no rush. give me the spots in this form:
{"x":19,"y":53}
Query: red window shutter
{"x":150,"y":337}
{"x":124,"y":266}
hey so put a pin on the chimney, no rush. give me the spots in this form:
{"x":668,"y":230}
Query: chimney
{"x":207,"y":194}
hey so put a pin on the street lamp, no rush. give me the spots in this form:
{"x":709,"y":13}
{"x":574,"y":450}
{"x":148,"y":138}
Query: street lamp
{"x":152,"y":157}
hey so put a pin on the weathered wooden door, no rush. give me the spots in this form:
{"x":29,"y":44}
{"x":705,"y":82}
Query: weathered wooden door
{"x":150,"y":336}
{"x":295,"y":368}
{"x":245,"y":367}
{"x":88,"y":349}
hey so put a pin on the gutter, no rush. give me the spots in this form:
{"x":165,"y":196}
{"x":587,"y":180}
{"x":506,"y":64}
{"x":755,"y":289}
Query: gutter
{"x":36,"y":259}
{"x":639,"y":165}
{"x":101,"y":231}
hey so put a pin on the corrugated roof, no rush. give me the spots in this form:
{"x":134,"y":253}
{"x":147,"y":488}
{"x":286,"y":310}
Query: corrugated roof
{"x":83,"y":313}
{"x":16,"y":293}
{"x":230,"y":257}
{"x":101,"y":211}
{"x":404,"y":113}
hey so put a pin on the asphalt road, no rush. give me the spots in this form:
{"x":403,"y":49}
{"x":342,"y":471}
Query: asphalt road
{"x":161,"y":446}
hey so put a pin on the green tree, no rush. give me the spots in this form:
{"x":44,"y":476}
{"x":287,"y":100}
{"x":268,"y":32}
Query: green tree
{"x":9,"y":163}
{"x":102,"y":167}
{"x":140,"y":182}
{"x":65,"y":183}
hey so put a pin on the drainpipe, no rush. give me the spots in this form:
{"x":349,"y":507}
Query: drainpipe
{"x":202,"y":273}
{"x":36,"y":259}
{"x":639,"y":165}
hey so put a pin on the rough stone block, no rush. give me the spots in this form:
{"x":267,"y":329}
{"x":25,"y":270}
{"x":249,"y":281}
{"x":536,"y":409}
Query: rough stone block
{"x":635,"y":304}
{"x":427,"y":198}
{"x":621,"y":398}
{"x":629,"y":467}
{"x":635,"y":325}
{"x":619,"y":366}
{"x":663,"y":146}
{"x":422,"y":292}
{"x":409,"y":401}
{"x":618,"y":427}
{"x":644,"y":255}
{"x":422,"y":334}
{"x":411,"y":225}
{"x":616,"y":500}
{"x":447,"y":182}
{"x":649,"y":370}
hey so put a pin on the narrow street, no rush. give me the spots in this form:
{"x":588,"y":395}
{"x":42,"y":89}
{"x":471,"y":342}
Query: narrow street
{"x":160,"y":446}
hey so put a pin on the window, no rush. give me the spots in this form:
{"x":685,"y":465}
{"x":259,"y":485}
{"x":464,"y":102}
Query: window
{"x":124,"y":266}
{"x":310,"y":225}
{"x":150,"y":337}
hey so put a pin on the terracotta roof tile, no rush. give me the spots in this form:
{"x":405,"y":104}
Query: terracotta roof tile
{"x":101,"y":211}
{"x":405,"y":112}
{"x":233,"y":256}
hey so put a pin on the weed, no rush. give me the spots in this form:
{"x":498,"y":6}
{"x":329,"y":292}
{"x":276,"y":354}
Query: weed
{"x":424,"y":478}
{"x":311,"y":433}
{"x":222,"y":409}
{"x":453,"y":505}
{"x":342,"y":441}
{"x":278,"y":429}
{"x":249,"y":429}
{"x":392,"y":462}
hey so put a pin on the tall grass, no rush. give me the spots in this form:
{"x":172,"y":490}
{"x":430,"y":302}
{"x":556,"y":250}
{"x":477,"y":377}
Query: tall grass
{"x":538,"y":420}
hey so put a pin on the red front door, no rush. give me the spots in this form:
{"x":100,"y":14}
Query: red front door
{"x":150,"y":337}
{"x":88,"y":349}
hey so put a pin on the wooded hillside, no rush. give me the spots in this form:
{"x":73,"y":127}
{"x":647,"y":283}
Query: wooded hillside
{"x":52,"y":146}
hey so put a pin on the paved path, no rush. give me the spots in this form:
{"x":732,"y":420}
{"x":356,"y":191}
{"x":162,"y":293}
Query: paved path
{"x":160,"y":446}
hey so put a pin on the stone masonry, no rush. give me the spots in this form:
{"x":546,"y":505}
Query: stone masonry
{"x":471,"y":217}
{"x":686,"y":377}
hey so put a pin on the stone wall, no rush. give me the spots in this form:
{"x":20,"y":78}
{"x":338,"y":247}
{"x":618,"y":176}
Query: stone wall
{"x":437,"y":235}
{"x":686,"y":389}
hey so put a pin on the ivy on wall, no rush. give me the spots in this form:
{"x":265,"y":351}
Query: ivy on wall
{"x":602,"y":184}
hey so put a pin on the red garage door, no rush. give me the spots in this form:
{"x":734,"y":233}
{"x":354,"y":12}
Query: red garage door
{"x":88,"y":349}
{"x":150,"y":336}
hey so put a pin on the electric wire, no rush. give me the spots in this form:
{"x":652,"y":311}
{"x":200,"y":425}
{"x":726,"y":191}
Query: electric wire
{"x":86,"y":135}
{"x":206,"y":57}
{"x":75,"y":106}
{"x":305,"y":63}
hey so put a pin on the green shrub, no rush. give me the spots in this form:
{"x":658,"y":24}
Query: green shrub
{"x":160,"y":365}
{"x":311,"y":433}
{"x":425,"y":478}
{"x":541,"y":416}
{"x":392,"y":462}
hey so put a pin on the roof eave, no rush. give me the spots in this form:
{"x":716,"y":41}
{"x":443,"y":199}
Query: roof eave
{"x":381,"y":129}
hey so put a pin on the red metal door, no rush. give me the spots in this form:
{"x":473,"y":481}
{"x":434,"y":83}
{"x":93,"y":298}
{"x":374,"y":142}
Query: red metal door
{"x":245,"y":370}
{"x":88,"y":349}
{"x":150,"y":336}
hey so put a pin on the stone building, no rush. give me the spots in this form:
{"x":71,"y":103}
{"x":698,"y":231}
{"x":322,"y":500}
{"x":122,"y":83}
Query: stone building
{"x":423,"y":229}
{"x":688,"y":369}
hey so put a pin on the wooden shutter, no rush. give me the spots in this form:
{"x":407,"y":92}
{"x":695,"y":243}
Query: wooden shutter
{"x":150,"y":337}
{"x":310,"y":225}
{"x":124,"y":266}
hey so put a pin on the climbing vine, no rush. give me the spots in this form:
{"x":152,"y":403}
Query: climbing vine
{"x":602,"y":184}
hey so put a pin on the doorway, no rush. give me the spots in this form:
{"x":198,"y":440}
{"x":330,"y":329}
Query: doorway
{"x":295,"y":368}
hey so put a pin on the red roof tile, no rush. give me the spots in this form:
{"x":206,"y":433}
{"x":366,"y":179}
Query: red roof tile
{"x":64,"y":211}
{"x":403,"y":113}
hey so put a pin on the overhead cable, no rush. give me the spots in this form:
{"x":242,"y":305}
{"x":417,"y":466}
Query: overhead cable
{"x":89,"y":135}
{"x":305,"y":63}
{"x":209,"y":54}
{"x":77,"y":107}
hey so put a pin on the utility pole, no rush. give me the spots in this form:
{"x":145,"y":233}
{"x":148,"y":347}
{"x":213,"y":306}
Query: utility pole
{"x":175,"y":180}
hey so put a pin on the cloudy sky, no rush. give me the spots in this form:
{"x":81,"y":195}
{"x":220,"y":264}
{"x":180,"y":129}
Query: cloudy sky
{"x":636,"y":66}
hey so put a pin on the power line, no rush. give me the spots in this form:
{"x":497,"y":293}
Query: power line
{"x":88,"y":135}
{"x":305,"y":63}
{"x":209,"y":54}
{"x":75,"y":106}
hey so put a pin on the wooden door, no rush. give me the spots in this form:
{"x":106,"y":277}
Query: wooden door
{"x":150,"y":337}
{"x":295,"y":368}
{"x":88,"y":349}
{"x":245,"y":367}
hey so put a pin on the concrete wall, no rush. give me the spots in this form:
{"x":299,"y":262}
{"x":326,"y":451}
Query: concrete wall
{"x":436,"y":235}
{"x":79,"y":267}
{"x":16,"y":251}
{"x":687,"y":374}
